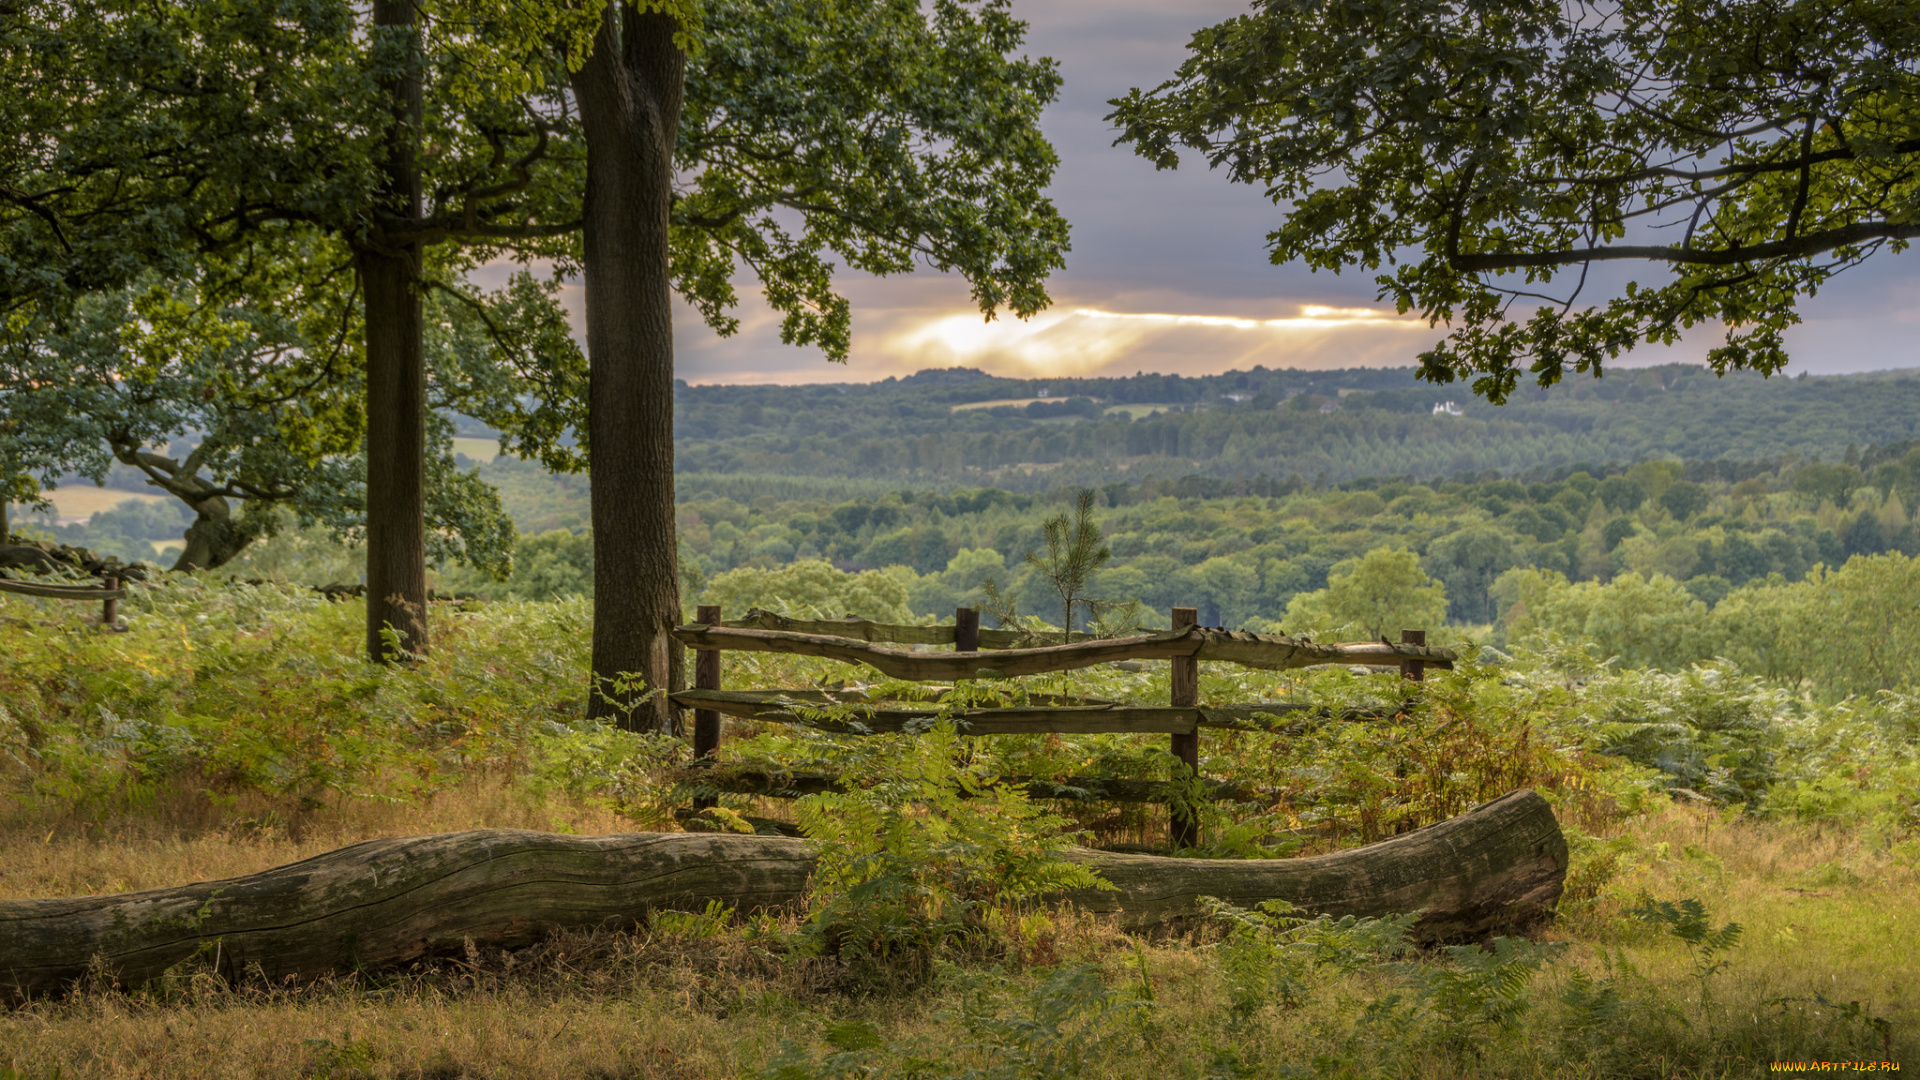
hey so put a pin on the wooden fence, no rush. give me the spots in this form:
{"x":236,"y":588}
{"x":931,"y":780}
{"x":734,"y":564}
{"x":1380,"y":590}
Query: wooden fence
{"x":107,"y":594}
{"x":863,"y":642}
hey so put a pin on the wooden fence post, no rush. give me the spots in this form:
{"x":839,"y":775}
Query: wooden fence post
{"x":1184,"y":823}
{"x":706,"y":722}
{"x":110,"y":607}
{"x":966,"y":629}
{"x":1413,"y":670}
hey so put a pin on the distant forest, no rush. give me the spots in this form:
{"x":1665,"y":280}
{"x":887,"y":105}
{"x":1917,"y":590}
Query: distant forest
{"x":787,"y":467}
{"x":1320,"y":426}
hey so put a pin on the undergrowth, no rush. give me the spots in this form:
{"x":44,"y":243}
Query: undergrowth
{"x":926,"y":951}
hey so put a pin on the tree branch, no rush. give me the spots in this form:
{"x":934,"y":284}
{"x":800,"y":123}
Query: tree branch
{"x":1793,"y":248}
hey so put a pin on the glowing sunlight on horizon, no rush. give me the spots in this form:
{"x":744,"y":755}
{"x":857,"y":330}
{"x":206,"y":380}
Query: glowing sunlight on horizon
{"x":1083,"y":341}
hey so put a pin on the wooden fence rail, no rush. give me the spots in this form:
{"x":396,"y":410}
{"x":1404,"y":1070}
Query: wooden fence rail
{"x":860,"y":641}
{"x":1270,"y":652}
{"x":108,"y":594}
{"x":779,"y":785}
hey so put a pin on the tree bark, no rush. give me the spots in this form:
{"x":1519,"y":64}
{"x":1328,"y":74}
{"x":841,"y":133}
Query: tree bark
{"x":396,"y":382}
{"x":213,"y":539}
{"x":629,"y":93}
{"x":387,"y":902}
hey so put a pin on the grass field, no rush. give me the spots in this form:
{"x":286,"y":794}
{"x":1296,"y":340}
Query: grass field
{"x":81,"y":501}
{"x":477,"y":449}
{"x":998,"y":402}
{"x":1136,"y":411}
{"x":233,"y":728}
{"x":1822,"y":917}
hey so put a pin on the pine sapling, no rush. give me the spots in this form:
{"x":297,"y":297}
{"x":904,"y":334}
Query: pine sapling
{"x":1075,"y":550}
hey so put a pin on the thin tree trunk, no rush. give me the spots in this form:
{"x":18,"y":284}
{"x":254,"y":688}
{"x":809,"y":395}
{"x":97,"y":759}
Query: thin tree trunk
{"x":629,"y":93}
{"x":396,"y":387}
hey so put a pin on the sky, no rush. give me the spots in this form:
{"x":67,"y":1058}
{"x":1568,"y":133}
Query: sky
{"x":1169,"y":273}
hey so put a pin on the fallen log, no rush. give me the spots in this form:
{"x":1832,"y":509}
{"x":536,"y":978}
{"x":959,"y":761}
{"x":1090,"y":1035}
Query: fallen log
{"x":384,"y":903}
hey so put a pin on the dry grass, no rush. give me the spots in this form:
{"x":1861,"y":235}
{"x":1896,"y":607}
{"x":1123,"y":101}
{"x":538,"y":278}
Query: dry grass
{"x":1822,"y":913}
{"x":185,"y":834}
{"x":81,"y":501}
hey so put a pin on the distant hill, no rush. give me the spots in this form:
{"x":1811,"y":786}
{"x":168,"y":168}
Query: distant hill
{"x":964,"y":426}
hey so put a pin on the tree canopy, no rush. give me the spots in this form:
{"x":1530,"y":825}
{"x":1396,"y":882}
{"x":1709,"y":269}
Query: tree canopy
{"x":159,"y":141}
{"x":1491,"y":153}
{"x":240,"y":393}
{"x":772,"y":139}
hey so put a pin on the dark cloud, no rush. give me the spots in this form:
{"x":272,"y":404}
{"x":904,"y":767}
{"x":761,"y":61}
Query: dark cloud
{"x":1188,"y":242}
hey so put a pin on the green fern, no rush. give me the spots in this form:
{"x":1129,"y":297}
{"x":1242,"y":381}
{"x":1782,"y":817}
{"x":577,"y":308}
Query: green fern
{"x":1271,"y":955}
{"x":1687,"y":920}
{"x":1480,"y":988}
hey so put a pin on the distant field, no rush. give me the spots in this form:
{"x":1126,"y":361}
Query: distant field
{"x":76,"y":504}
{"x":997,"y":403}
{"x":1136,"y":411}
{"x":476,"y":448}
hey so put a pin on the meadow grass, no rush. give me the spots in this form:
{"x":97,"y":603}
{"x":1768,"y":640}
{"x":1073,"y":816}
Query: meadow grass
{"x":233,"y":729}
{"x":725,"y":1004}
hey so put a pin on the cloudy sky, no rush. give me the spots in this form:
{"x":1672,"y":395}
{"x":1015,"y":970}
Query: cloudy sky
{"x":1168,"y":271}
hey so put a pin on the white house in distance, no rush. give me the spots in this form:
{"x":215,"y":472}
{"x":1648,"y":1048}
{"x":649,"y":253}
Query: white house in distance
{"x":1447,"y":408}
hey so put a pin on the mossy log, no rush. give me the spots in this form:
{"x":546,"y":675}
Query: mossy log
{"x":385,"y":903}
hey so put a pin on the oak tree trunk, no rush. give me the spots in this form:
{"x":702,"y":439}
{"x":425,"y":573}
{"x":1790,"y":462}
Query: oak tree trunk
{"x":396,"y":383}
{"x":214,"y":538}
{"x":389,"y":902}
{"x":629,"y":94}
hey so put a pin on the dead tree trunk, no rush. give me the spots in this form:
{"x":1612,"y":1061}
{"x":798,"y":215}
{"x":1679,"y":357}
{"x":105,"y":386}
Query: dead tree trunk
{"x":388,"y":902}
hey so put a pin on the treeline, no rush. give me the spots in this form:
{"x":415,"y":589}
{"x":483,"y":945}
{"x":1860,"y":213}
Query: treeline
{"x":1242,"y":556}
{"x":134,"y":530}
{"x":1329,"y":427}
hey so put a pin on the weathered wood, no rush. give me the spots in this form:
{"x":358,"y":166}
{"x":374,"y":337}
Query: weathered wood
{"x":1413,"y":670}
{"x":966,"y":629}
{"x":1276,"y":652}
{"x":745,"y":703}
{"x":61,"y":592}
{"x":1250,"y":650}
{"x":1075,"y":717}
{"x":388,"y":902}
{"x":1183,"y":684}
{"x":706,"y":676}
{"x":707,"y":820}
{"x":1491,"y":870}
{"x":735,"y":780}
{"x":889,"y":633}
{"x":935,"y":666}
{"x":1066,"y":720}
